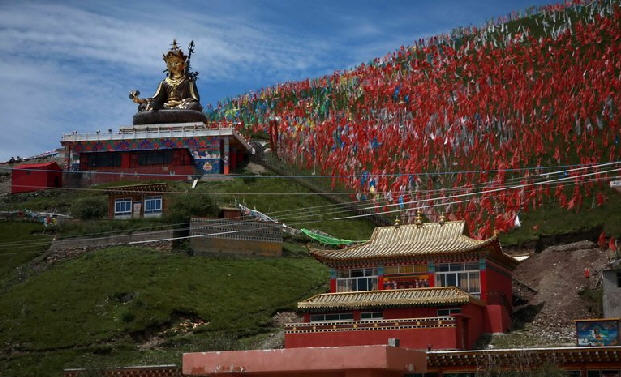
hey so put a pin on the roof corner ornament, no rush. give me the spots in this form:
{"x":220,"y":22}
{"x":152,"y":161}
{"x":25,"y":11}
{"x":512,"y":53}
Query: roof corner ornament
{"x":397,"y":222}
{"x":419,"y":219}
{"x":442,"y":220}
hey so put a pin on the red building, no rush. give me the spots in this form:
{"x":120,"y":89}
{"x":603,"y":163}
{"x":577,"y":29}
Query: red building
{"x":34,"y":177}
{"x":426,"y":284}
{"x":176,"y":151}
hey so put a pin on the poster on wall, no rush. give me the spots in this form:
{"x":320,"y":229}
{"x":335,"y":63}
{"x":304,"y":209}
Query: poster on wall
{"x":597,"y":332}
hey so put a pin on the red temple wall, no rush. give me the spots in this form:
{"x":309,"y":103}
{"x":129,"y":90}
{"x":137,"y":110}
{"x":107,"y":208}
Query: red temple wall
{"x":436,"y":338}
{"x":396,"y":313}
{"x":499,"y":285}
{"x":474,"y":321}
{"x":497,"y":319}
{"x":498,"y":298}
{"x":179,"y":169}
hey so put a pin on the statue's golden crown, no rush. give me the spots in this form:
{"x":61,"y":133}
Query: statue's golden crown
{"x":174,"y":51}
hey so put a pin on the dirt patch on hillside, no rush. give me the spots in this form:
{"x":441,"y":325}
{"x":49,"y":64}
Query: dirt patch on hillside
{"x":552,"y":291}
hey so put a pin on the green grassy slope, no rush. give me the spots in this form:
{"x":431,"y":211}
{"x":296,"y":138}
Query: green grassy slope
{"x":123,"y":306}
{"x":20,"y":243}
{"x":110,"y":301}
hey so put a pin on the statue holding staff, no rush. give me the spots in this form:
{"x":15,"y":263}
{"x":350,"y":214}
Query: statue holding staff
{"x":177,"y":91}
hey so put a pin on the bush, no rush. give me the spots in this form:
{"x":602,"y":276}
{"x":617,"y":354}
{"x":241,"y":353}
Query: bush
{"x":183,"y":207}
{"x":91,"y":207}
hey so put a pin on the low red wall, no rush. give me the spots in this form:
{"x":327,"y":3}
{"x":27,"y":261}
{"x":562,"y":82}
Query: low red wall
{"x":181,"y":173}
{"x":365,"y":361}
{"x":436,"y":338}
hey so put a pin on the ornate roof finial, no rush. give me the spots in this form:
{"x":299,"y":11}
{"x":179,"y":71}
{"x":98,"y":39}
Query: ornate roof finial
{"x":397,"y":221}
{"x":419,"y":218}
{"x":173,"y":46}
{"x":442,"y":219}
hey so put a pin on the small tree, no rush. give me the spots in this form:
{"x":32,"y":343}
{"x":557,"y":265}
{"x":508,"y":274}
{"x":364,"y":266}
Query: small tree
{"x":90,"y":207}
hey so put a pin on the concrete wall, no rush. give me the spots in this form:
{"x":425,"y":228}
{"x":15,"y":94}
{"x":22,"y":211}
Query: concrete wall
{"x":229,"y":236}
{"x":611,"y":283}
{"x":211,"y":246}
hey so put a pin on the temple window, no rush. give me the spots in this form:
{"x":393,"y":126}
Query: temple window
{"x":356,"y":280}
{"x":448,"y":311}
{"x":160,"y":157}
{"x":462,"y":275}
{"x":371,"y":316}
{"x":332,"y":317}
{"x":406,"y":276}
{"x":104,"y":159}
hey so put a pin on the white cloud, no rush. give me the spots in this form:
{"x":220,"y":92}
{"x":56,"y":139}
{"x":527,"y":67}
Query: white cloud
{"x":70,"y":69}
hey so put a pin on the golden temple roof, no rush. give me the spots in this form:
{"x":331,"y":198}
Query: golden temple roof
{"x":409,"y":240}
{"x":436,"y":296}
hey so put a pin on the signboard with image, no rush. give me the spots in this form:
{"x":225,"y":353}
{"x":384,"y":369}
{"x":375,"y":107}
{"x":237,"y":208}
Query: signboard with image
{"x":598,"y":332}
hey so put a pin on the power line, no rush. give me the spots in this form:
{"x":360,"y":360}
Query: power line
{"x":363,"y":174}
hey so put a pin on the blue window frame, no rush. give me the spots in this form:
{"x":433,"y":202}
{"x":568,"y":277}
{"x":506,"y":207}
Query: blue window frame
{"x":122,"y":206}
{"x":153,"y":204}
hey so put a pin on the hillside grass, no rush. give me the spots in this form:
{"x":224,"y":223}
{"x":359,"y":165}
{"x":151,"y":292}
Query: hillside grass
{"x":20,"y":242}
{"x":551,"y":219}
{"x":109,"y":301}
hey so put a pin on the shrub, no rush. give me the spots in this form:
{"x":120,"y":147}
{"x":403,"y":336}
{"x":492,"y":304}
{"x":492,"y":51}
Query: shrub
{"x":90,"y":207}
{"x":183,"y":207}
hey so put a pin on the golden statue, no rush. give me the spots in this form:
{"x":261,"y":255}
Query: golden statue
{"x":178,"y":90}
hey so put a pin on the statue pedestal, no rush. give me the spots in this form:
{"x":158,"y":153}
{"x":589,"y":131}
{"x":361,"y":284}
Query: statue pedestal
{"x":167,"y":116}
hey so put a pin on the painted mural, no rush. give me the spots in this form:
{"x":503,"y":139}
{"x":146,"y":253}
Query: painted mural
{"x":210,"y":144}
{"x":597,"y":333}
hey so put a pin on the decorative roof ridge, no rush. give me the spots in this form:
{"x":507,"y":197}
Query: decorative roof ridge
{"x":454,"y":293}
{"x":138,"y":188}
{"x":351,"y":293}
{"x":391,"y":290}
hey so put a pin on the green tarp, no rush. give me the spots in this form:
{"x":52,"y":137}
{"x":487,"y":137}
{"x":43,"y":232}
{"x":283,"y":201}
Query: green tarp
{"x":326,"y":239}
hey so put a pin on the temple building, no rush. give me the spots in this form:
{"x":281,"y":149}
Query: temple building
{"x":175,"y":151}
{"x":426,"y":284}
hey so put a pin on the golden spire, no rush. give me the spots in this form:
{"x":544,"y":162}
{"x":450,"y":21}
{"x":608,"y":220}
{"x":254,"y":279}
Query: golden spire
{"x":419,"y":218}
{"x":397,"y":221}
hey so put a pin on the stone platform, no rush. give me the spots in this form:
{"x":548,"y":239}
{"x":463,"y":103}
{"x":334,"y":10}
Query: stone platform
{"x":168,"y":116}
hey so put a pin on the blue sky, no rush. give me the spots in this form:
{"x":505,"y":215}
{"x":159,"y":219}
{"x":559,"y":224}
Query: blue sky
{"x":69,"y":65}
